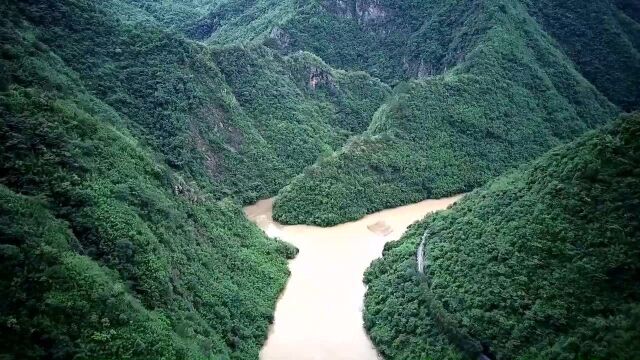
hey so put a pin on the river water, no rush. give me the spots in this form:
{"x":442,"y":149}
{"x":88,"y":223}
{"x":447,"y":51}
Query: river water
{"x":319,"y":315}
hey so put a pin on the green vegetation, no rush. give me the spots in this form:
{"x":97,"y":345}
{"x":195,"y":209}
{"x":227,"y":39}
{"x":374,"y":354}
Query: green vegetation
{"x":175,"y":97}
{"x":218,"y":21}
{"x":304,"y":108}
{"x":399,"y":40}
{"x":602,"y":41}
{"x":126,"y":152}
{"x":131,"y":132}
{"x":112,"y":239}
{"x":539,"y":264}
{"x":512,"y":95}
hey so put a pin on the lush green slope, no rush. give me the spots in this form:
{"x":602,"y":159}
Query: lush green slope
{"x":602,"y":40}
{"x":301,"y":106}
{"x":176,"y":97}
{"x":169,"y":92}
{"x":115,"y":256}
{"x":218,"y":21}
{"x":539,"y":264}
{"x":124,"y":137}
{"x":126,"y":149}
{"x":48,"y":288}
{"x":131,"y":143}
{"x":514,"y":96}
{"x":500,"y":82}
{"x":397,"y":40}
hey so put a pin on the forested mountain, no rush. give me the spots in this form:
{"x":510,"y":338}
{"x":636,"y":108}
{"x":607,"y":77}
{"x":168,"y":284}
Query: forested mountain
{"x":538,"y":264}
{"x":513,"y":90}
{"x":121,"y":141}
{"x":132,"y":131}
{"x":111,"y":245}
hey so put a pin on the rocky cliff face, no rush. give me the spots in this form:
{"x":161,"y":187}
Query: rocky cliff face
{"x":366,"y":12}
{"x":320,"y":77}
{"x":280,"y":38}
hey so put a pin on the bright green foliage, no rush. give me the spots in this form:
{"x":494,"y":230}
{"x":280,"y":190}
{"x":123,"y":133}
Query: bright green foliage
{"x":513,"y":95}
{"x":539,"y":264}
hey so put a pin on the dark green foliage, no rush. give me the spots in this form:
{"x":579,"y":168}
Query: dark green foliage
{"x":601,"y":41}
{"x":169,"y":92}
{"x":397,"y":40}
{"x":153,"y":267}
{"x":126,"y":150}
{"x":630,"y":8}
{"x":514,"y":96}
{"x":302,"y":106}
{"x":523,"y":90}
{"x":48,"y":289}
{"x":218,"y":21}
{"x":177,"y":100}
{"x":539,"y":264}
{"x":131,"y":136}
{"x":115,"y":254}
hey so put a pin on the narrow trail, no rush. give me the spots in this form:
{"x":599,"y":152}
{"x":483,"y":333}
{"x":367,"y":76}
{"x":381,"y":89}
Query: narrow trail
{"x":319,"y":315}
{"x":420,"y":255}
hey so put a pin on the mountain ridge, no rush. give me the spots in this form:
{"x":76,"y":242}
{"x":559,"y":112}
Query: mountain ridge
{"x":133,"y":131}
{"x":514,"y":75}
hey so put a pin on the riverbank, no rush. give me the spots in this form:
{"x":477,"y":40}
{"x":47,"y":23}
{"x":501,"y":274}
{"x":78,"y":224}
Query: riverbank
{"x":319,"y":315}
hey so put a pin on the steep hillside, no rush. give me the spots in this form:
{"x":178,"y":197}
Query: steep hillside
{"x":119,"y":141}
{"x":131,"y":132}
{"x":528,"y":75}
{"x":602,"y":39}
{"x":539,"y":264}
{"x":512,"y":95}
{"x":303,"y":108}
{"x":219,"y":21}
{"x":176,"y":98}
{"x":132,"y":143}
{"x":398,"y":40}
{"x":108,"y":252}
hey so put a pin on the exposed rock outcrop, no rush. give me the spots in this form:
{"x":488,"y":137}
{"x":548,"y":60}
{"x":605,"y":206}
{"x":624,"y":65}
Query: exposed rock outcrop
{"x":320,"y":77}
{"x":280,"y":38}
{"x":366,"y":12}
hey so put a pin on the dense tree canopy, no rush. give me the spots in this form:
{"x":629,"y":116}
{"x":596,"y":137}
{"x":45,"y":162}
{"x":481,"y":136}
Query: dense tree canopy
{"x":132,"y":132}
{"x":511,"y":94}
{"x":539,"y":264}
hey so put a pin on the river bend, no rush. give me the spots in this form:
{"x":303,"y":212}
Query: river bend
{"x":319,"y":315}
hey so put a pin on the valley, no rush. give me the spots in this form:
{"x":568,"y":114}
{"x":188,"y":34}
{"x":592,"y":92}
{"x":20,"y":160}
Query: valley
{"x":245,"y":179}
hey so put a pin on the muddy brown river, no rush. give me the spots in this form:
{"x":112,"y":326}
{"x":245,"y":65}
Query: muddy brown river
{"x":319,"y":315}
